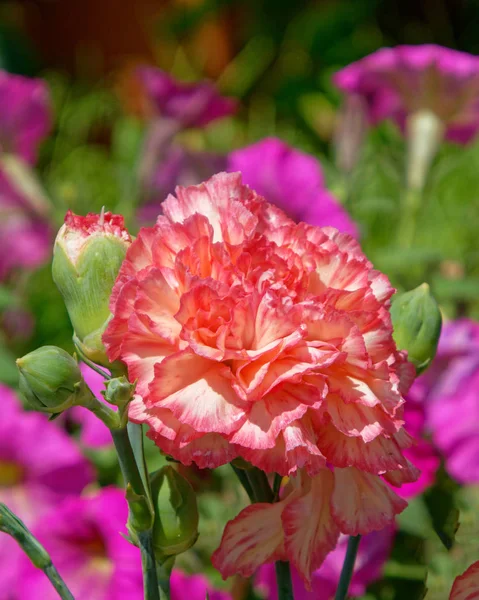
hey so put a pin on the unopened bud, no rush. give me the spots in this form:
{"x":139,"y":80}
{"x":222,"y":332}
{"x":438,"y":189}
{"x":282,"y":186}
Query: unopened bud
{"x":176,"y":514}
{"x":417,"y":325}
{"x":87,"y":257}
{"x":425,"y":131}
{"x":50,"y":379}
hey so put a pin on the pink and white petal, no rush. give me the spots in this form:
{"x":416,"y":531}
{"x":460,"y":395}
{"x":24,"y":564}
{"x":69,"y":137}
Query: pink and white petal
{"x":309,"y":529}
{"x":359,"y":420}
{"x":118,"y":326}
{"x":266,"y":419}
{"x":362,"y":502}
{"x":198,"y":392}
{"x":466,"y":586}
{"x":207,"y":451}
{"x":253,"y":538}
{"x":407,"y":474}
{"x":378,"y":456}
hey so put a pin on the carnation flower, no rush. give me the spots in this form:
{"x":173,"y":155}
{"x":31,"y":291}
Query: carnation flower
{"x":250,"y":335}
{"x":372,"y":554}
{"x":449,"y":396}
{"x":193,"y":587}
{"x":466,"y":586}
{"x":84,"y":538}
{"x":190,"y":104}
{"x":293,"y":181}
{"x":24,"y":115}
{"x":397,"y":82}
{"x":34,"y":477}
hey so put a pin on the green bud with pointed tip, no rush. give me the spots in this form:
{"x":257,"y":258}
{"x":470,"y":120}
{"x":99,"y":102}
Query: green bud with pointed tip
{"x":87,"y":256}
{"x":417,"y":325}
{"x":50,"y":379}
{"x":175,"y":528}
{"x":119,"y":391}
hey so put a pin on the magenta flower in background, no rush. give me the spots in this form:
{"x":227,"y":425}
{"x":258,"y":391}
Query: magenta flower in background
{"x":397,"y":82}
{"x":24,"y":115}
{"x":374,"y":550}
{"x":193,"y":587}
{"x":39,"y":467}
{"x":25,"y":236}
{"x":293,"y":181}
{"x":449,"y":392}
{"x":190,"y":104}
{"x":83,"y":535}
{"x":94,"y":432}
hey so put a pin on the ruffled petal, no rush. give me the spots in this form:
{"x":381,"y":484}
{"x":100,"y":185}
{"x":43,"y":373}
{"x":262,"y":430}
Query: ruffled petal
{"x":466,"y":586}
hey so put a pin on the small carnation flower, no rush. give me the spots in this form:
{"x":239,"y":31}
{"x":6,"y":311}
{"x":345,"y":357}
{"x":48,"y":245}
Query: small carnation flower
{"x":250,"y":335}
{"x":34,"y":477}
{"x":24,"y":115}
{"x":397,"y":82}
{"x":448,"y":394}
{"x":189,"y":104}
{"x":292,"y":180}
{"x":84,"y":538}
{"x":372,"y":554}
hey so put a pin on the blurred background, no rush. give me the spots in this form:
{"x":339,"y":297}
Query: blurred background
{"x":276,"y":58}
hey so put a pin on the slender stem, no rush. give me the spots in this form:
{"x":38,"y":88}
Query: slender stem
{"x":150,"y":578}
{"x":58,"y":583}
{"x":127,"y":461}
{"x":348,"y":568}
{"x":408,"y":216}
{"x":16,"y":528}
{"x":243,"y":478}
{"x":260,"y":485}
{"x":283,"y":580}
{"x":108,"y":416}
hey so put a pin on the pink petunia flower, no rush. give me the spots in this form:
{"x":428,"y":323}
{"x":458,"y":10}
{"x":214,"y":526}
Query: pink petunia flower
{"x":24,"y":115}
{"x":250,"y":335}
{"x":193,"y":587}
{"x":449,"y":395}
{"x":94,"y":432}
{"x":25,"y":236}
{"x":189,"y":104}
{"x":293,"y":181}
{"x":401,"y":81}
{"x":373,"y":552}
{"x":83,"y":535}
{"x":39,"y":467}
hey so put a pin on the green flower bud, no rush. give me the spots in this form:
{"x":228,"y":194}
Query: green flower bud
{"x":50,"y":379}
{"x":119,"y":391}
{"x":417,"y":325}
{"x":176,"y":514}
{"x":87,"y":256}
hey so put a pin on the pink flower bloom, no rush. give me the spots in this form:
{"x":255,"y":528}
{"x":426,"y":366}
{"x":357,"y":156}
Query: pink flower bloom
{"x":24,"y":115}
{"x":39,"y":467}
{"x":466,"y":586}
{"x":449,"y":395}
{"x":83,"y":536}
{"x":252,"y":336}
{"x":190,"y":104}
{"x":94,"y":432}
{"x":373,"y":552}
{"x":293,"y":181}
{"x":193,"y":587}
{"x":25,"y":235}
{"x":396,"y":82}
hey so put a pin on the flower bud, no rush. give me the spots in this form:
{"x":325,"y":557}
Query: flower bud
{"x":417,"y":325}
{"x":176,"y":514}
{"x":425,"y":131}
{"x":50,"y":379}
{"x":119,"y":391}
{"x":87,"y":257}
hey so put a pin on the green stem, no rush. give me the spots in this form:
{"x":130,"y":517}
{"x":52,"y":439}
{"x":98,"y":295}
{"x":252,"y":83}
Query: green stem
{"x":13,"y":526}
{"x":243,"y":478}
{"x":108,"y":416}
{"x":260,"y":485}
{"x":411,"y":203}
{"x":283,"y":580}
{"x":348,"y":568}
{"x":150,"y":578}
{"x":141,"y":511}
